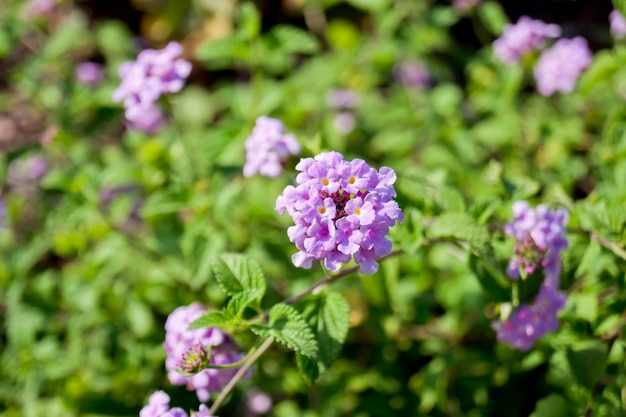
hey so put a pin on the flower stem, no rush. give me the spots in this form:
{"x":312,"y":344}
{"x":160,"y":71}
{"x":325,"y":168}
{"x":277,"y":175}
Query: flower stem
{"x":242,"y":371}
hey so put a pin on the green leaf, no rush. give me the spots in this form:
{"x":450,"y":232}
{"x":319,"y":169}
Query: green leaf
{"x":249,"y":20}
{"x":222,"y":48}
{"x":215,"y":318}
{"x":295,"y":40}
{"x":602,"y":68}
{"x":238,"y":303}
{"x":587,"y":365}
{"x":289,"y":328}
{"x":162,"y":202}
{"x":329,"y":316}
{"x":459,"y":226}
{"x":553,"y":405}
{"x":491,"y":279}
{"x":308,"y":368}
{"x":236,"y":273}
{"x":492,"y":15}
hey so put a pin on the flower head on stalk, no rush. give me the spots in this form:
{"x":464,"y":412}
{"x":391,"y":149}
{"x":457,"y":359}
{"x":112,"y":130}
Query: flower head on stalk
{"x":341,"y":209}
{"x":540,"y":238}
{"x":523,"y":37}
{"x":268,"y":148}
{"x":189,"y":350}
{"x":153,"y":74}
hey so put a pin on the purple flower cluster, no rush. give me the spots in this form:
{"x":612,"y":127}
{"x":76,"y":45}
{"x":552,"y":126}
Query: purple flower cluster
{"x":559,"y":67}
{"x":340,"y":209}
{"x":412,"y":74}
{"x":268,"y":148}
{"x":523,"y":37}
{"x":540,"y":238}
{"x":159,"y":406}
{"x":179,"y":342}
{"x":144,"y":81}
{"x":618,"y":24}
{"x":529,"y":322}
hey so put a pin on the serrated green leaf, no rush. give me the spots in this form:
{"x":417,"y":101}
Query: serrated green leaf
{"x":587,"y":365}
{"x":295,"y":40}
{"x":289,"y":328}
{"x":329,"y":316}
{"x":332,"y":327}
{"x":236,"y":273}
{"x":238,"y":303}
{"x":491,"y":279}
{"x":215,"y":318}
{"x":459,"y":226}
{"x":308,"y":368}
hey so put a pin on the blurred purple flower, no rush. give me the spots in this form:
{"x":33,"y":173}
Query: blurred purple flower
{"x":540,"y":238}
{"x":179,"y":341}
{"x":89,"y":73}
{"x":40,"y":8}
{"x":344,"y":122}
{"x":343,"y":99}
{"x":159,"y":406}
{"x":412,"y":74}
{"x":145,"y":80}
{"x":618,"y":24}
{"x":523,"y":37}
{"x":3,"y":214}
{"x":257,"y":403}
{"x":559,"y":67}
{"x":24,"y":174}
{"x":465,"y":5}
{"x":268,"y":148}
{"x":341,"y":209}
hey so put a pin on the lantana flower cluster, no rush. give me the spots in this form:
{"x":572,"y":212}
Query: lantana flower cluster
{"x":154,"y":74}
{"x":618,"y":24}
{"x":344,"y":101}
{"x":268,"y":148}
{"x":159,"y":406}
{"x":341,"y":209}
{"x":540,"y":238}
{"x":182,"y":344}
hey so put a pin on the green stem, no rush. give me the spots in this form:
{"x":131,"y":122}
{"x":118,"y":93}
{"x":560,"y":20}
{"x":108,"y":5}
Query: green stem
{"x":242,"y":371}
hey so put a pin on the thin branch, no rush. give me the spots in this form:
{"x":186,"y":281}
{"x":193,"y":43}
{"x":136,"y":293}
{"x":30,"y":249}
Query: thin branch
{"x":242,"y":371}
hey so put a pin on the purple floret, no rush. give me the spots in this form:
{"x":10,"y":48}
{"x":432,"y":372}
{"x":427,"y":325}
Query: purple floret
{"x":268,"y":148}
{"x":341,"y":209}
{"x":523,"y":37}
{"x":559,"y":67}
{"x":179,"y":342}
